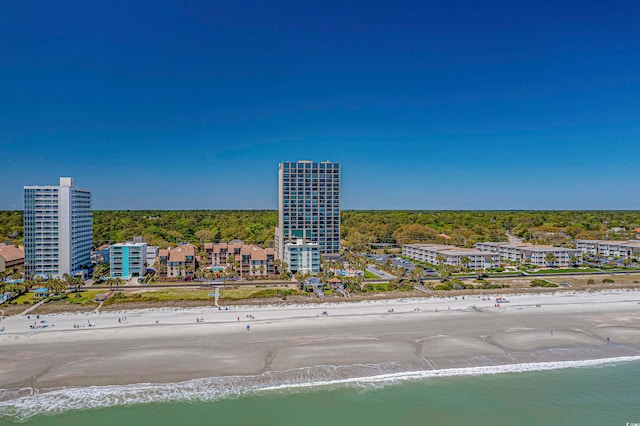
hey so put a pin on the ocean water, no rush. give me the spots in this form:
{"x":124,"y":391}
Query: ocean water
{"x":579,"y":393}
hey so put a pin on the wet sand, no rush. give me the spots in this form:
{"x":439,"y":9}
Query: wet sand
{"x":169,"y":345}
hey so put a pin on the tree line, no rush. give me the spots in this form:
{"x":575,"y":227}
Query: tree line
{"x":359,"y":228}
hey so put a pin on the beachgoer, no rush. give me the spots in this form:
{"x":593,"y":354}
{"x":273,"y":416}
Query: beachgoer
{"x":248,"y":327}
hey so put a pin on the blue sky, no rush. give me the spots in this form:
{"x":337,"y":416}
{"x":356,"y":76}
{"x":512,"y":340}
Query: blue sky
{"x":427,"y":105}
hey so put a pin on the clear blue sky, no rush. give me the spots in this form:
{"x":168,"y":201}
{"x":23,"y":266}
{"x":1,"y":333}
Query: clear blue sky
{"x":427,"y":105}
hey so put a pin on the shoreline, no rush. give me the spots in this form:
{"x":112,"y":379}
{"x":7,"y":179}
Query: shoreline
{"x":23,"y":404}
{"x":297,"y":344}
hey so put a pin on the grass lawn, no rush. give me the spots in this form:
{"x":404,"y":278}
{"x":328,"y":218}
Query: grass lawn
{"x":377,"y":287}
{"x":368,"y":275}
{"x":175,"y":294}
{"x":25,"y":299}
{"x":503,"y":274}
{"x":565,"y":270}
{"x":83,"y":297}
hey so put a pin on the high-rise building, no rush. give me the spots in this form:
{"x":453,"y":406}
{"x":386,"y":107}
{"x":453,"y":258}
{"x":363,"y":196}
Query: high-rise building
{"x":308,"y":206}
{"x":58,"y":229}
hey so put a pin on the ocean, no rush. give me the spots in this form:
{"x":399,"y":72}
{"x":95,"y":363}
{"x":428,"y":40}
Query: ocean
{"x":601,"y":392}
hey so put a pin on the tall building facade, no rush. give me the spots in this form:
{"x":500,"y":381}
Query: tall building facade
{"x":302,"y":257}
{"x":128,"y":260}
{"x":308,"y":205}
{"x":58,"y":229}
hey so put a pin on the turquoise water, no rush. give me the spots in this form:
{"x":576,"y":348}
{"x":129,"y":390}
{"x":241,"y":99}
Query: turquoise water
{"x":597,"y":395}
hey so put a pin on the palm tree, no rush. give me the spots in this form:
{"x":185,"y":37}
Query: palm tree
{"x":465,"y":260}
{"x":55,"y":286}
{"x":626,"y":262}
{"x":550,"y":259}
{"x":446,"y":272}
{"x":416,"y":274}
{"x":440,"y":259}
{"x":574,"y":260}
{"x":261,"y":269}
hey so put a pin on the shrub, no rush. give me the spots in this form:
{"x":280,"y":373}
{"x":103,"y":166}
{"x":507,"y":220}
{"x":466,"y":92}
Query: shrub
{"x":493,"y":286}
{"x":274,"y":293}
{"x":542,"y":283}
{"x":591,"y":281}
{"x":608,"y":281}
{"x":443,"y":287}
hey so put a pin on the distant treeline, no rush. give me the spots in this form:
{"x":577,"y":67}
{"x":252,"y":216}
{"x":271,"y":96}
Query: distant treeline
{"x":359,"y":228}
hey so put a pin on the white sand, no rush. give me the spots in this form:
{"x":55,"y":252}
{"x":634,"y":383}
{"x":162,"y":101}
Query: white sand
{"x":165,"y":345}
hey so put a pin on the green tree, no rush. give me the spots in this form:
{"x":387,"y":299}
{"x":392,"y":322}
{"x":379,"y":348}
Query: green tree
{"x":465,"y":260}
{"x":550,"y":259}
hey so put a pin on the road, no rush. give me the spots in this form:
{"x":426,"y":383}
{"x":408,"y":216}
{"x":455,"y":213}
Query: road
{"x":382,"y":274}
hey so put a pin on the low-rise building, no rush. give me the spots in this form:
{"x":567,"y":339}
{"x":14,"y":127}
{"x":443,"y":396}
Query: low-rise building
{"x":152,"y":255}
{"x":102,"y":255}
{"x":302,"y":257}
{"x":534,"y":254}
{"x":438,"y":254}
{"x":128,"y":260}
{"x":247,"y":259}
{"x":177,"y":262}
{"x":10,"y":257}
{"x":610,"y":248}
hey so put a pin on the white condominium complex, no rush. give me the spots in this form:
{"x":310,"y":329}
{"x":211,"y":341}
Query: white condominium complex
{"x":451,"y":255}
{"x":623,"y":249}
{"x":530,"y":253}
{"x":58,"y":229}
{"x":308,"y":206}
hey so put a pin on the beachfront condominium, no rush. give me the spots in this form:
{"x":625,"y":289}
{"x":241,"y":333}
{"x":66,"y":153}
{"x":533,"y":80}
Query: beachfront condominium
{"x":438,"y":254}
{"x":308,"y":206}
{"x":58,"y":229}
{"x":302,"y":257}
{"x":128,"y":260}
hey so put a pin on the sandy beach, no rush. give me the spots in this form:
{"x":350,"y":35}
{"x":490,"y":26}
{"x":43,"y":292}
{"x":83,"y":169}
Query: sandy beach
{"x":170,"y":345}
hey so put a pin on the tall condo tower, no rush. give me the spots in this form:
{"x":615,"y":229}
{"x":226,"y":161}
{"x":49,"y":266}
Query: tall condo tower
{"x":308,"y":206}
{"x":58,"y":229}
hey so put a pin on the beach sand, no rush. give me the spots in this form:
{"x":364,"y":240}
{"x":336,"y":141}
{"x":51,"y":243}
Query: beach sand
{"x":169,"y":345}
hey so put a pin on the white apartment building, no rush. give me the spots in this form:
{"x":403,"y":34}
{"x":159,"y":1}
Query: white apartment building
{"x":58,"y":229}
{"x":308,"y":206}
{"x":530,"y":253}
{"x":128,"y":260}
{"x":152,"y":254}
{"x":451,"y":255}
{"x":623,"y":249}
{"x":588,"y":246}
{"x":302,"y":257}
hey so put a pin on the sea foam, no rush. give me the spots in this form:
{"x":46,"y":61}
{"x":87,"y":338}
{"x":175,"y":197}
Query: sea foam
{"x":25,"y":403}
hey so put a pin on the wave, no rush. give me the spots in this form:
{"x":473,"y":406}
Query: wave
{"x":25,"y":403}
